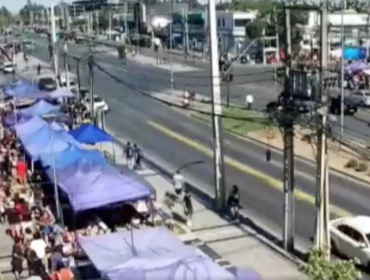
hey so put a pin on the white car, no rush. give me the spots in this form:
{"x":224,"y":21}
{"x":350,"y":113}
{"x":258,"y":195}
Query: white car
{"x":360,"y":98}
{"x":8,"y":68}
{"x":350,"y":237}
{"x":99,"y":104}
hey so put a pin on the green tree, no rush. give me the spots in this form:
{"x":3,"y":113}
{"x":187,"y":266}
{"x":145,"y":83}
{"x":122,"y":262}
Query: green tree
{"x":255,"y":28}
{"x":320,"y":268}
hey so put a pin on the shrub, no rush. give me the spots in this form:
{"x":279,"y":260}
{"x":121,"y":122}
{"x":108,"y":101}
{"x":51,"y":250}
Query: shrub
{"x":321,"y":268}
{"x":362,"y":167}
{"x":352,"y":164}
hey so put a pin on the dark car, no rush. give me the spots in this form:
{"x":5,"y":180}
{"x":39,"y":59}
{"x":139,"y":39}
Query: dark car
{"x":350,"y":108}
{"x":47,"y":84}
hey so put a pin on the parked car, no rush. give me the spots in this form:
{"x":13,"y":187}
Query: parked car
{"x":8,"y":68}
{"x":350,"y":107}
{"x":47,"y":84}
{"x":99,"y":104}
{"x":350,"y":237}
{"x":360,"y":98}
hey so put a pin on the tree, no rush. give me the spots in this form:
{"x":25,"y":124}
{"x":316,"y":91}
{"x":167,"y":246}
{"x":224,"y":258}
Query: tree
{"x":320,"y":268}
{"x":255,"y":28}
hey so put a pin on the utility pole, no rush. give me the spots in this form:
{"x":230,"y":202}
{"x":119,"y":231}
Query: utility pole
{"x":78,"y":79}
{"x":342,"y":73}
{"x":185,"y":38}
{"x":322,"y":238}
{"x":91,"y":69}
{"x":53,"y":45}
{"x":288,"y":134}
{"x":171,"y":42}
{"x":125,"y":18}
{"x":110,"y":24}
{"x":277,"y":35}
{"x":65,"y":49}
{"x":228,"y":89}
{"x":220,"y":191}
{"x":205,"y":43}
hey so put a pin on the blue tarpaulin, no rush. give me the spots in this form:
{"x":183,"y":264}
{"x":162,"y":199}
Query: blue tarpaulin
{"x":90,"y":134}
{"x":29,"y":127}
{"x":151,"y":254}
{"x":23,"y":89}
{"x":40,"y":108}
{"x":70,"y":156}
{"x":12,"y":119}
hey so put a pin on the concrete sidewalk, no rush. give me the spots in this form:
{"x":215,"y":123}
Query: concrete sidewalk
{"x":231,"y":244}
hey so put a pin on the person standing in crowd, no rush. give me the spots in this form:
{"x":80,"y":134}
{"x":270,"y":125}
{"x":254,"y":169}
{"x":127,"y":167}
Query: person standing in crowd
{"x":178,"y":182}
{"x":38,"y":245}
{"x":17,"y":258}
{"x":233,"y":202}
{"x":129,"y":152}
{"x":138,"y":157}
{"x":22,"y":172}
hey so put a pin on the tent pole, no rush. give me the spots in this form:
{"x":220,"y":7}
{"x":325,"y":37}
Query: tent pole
{"x":114,"y":153}
{"x":32,"y":166}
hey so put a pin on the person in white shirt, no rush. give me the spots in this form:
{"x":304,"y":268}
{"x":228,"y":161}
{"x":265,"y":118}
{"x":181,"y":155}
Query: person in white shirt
{"x":249,"y":100}
{"x":38,"y":245}
{"x":178,"y":182}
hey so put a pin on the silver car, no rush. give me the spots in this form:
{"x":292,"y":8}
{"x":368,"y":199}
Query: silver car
{"x":360,"y":98}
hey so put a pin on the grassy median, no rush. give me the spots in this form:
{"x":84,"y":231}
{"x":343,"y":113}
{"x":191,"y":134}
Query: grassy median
{"x":240,"y":120}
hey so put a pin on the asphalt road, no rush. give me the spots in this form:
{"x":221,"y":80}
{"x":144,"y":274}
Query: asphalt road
{"x":174,"y":138}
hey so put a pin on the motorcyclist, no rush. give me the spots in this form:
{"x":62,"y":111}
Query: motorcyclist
{"x":233,"y":202}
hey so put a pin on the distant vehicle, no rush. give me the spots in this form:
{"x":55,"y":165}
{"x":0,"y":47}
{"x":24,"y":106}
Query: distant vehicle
{"x":350,"y":107}
{"x":350,"y":237}
{"x":299,"y":104}
{"x":8,"y":68}
{"x":360,"y":98}
{"x":99,"y":104}
{"x":47,"y":84}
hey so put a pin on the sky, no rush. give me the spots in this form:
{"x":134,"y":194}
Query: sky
{"x":15,"y":5}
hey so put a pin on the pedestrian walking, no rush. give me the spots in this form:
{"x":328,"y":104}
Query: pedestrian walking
{"x":138,"y":155}
{"x":38,"y":70}
{"x":188,"y":207}
{"x":249,"y":101}
{"x":129,"y":152}
{"x":178,"y":182}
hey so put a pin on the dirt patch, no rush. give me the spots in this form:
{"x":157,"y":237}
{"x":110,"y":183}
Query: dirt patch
{"x":340,"y":158}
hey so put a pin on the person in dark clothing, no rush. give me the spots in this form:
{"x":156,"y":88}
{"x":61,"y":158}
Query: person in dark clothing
{"x":17,"y":258}
{"x":35,"y":266}
{"x":129,"y":152}
{"x":38,"y":69}
{"x":138,"y":157}
{"x":188,"y":207}
{"x":233,"y":202}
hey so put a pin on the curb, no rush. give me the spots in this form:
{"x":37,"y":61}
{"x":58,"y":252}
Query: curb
{"x":307,"y":161}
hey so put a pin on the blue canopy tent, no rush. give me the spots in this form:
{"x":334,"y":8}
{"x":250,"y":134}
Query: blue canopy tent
{"x":40,"y":108}
{"x":70,"y":156}
{"x":151,"y":254}
{"x":29,"y":127}
{"x":46,"y":140}
{"x":13,"y":119}
{"x":18,"y":87}
{"x":91,"y":134}
{"x":90,"y":186}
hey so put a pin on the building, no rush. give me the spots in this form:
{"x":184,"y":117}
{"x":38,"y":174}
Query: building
{"x":231,"y":27}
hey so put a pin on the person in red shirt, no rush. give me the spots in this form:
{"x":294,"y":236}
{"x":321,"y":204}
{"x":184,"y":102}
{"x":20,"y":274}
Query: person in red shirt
{"x":22,"y":171}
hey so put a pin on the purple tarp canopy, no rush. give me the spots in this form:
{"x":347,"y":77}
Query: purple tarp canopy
{"x":356,"y":66}
{"x":89,"y":186}
{"x":151,"y":254}
{"x":29,"y":126}
{"x":61,"y":93}
{"x":13,"y":119}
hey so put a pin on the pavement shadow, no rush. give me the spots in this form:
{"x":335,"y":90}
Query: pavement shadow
{"x":208,"y":202}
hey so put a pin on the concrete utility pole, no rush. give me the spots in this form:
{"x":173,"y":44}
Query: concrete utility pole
{"x":65,"y":49}
{"x":171,"y":42}
{"x":66,"y":12}
{"x":322,"y":238}
{"x":205,"y":43}
{"x":185,"y":38}
{"x":342,"y":73}
{"x":288,"y":132}
{"x":220,"y":191}
{"x":31,"y":19}
{"x":125,"y":18}
{"x":91,"y":69}
{"x":277,"y":34}
{"x":54,"y":46}
{"x":110,"y":24}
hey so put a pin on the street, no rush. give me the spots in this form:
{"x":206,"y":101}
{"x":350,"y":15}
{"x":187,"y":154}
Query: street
{"x":174,"y":138}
